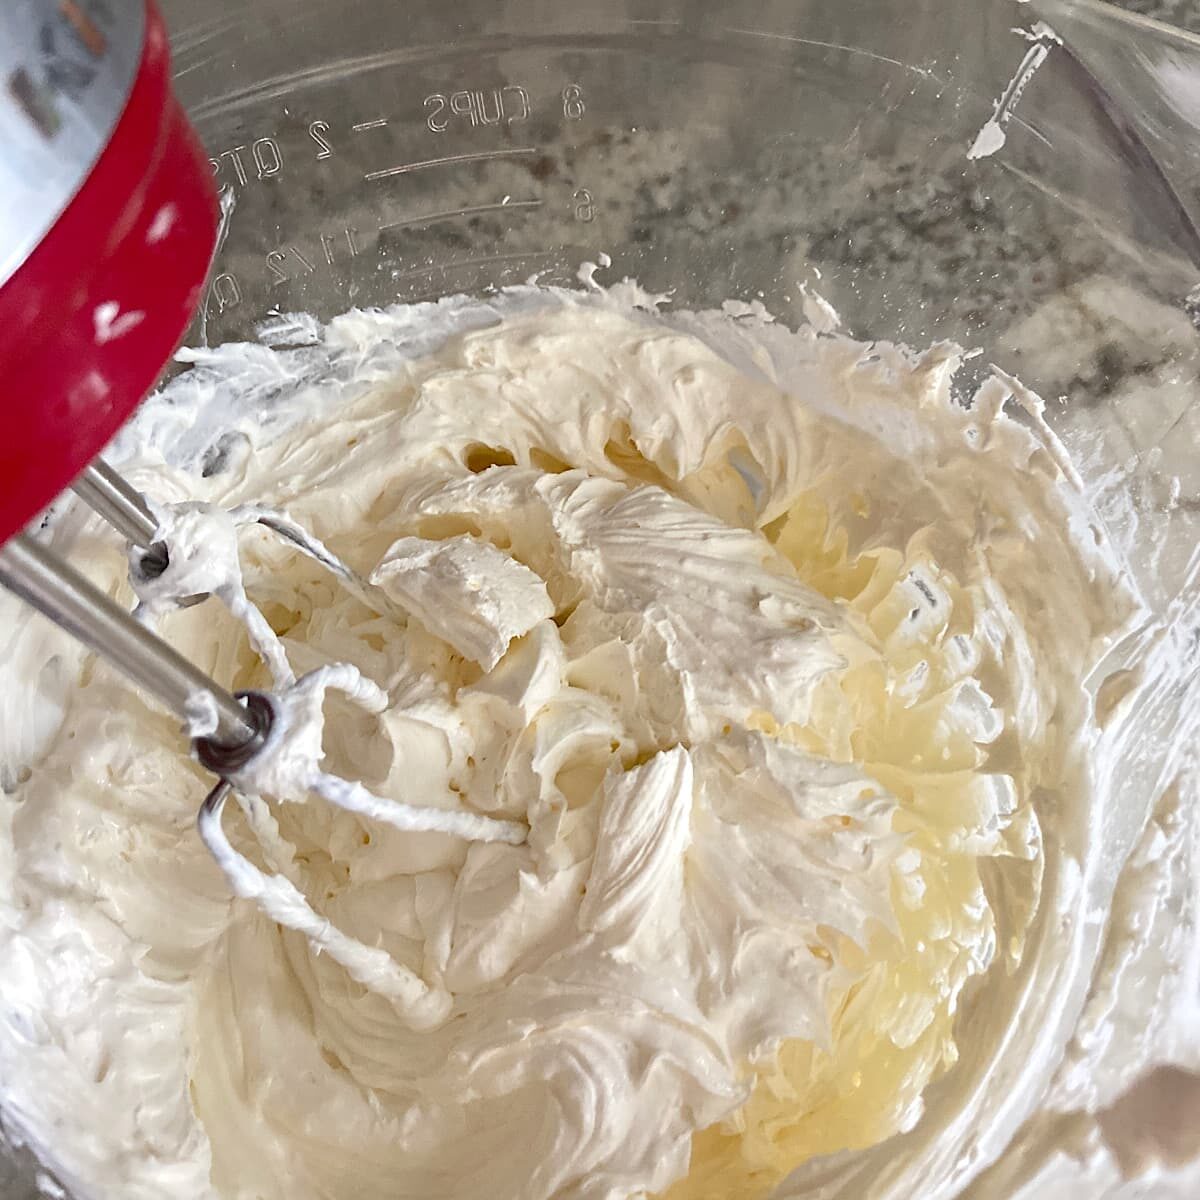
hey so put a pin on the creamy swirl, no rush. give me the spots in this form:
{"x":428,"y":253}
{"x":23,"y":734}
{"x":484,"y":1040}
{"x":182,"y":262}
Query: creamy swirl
{"x":776,"y":653}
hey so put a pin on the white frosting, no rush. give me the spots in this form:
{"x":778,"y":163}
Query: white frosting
{"x":465,"y":591}
{"x":777,"y":662}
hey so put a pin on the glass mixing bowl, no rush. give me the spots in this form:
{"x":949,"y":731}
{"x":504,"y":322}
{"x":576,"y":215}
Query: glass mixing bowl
{"x":752,"y":149}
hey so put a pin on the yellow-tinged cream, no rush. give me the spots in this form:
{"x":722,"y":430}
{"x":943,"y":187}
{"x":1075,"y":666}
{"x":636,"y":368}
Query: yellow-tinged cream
{"x":893,"y":1029}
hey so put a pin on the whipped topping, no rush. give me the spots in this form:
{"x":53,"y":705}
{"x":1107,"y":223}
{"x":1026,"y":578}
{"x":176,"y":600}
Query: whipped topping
{"x":782,"y":659}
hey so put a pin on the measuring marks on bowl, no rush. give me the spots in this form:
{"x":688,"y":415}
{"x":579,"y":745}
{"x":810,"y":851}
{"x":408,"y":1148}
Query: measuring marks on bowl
{"x":474,"y":210}
{"x":447,"y":160}
{"x":385,"y":188}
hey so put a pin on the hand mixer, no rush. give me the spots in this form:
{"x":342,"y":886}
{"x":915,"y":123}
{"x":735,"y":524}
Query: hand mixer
{"x":108,"y":221}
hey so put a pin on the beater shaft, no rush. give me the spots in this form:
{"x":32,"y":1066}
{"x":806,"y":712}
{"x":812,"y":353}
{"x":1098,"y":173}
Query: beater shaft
{"x":122,"y":506}
{"x":80,"y":609}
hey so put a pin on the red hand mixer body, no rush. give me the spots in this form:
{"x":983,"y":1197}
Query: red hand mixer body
{"x":108,"y":219}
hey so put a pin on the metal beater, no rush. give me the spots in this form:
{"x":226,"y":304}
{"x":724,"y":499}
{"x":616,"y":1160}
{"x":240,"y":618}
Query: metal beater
{"x":108,"y":222}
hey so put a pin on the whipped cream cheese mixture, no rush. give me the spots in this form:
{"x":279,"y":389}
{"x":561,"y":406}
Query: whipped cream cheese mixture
{"x":778,"y":656}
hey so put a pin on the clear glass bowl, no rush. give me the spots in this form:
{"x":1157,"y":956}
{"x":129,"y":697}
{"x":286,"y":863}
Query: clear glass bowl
{"x":722,"y":150}
{"x":380,"y":151}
